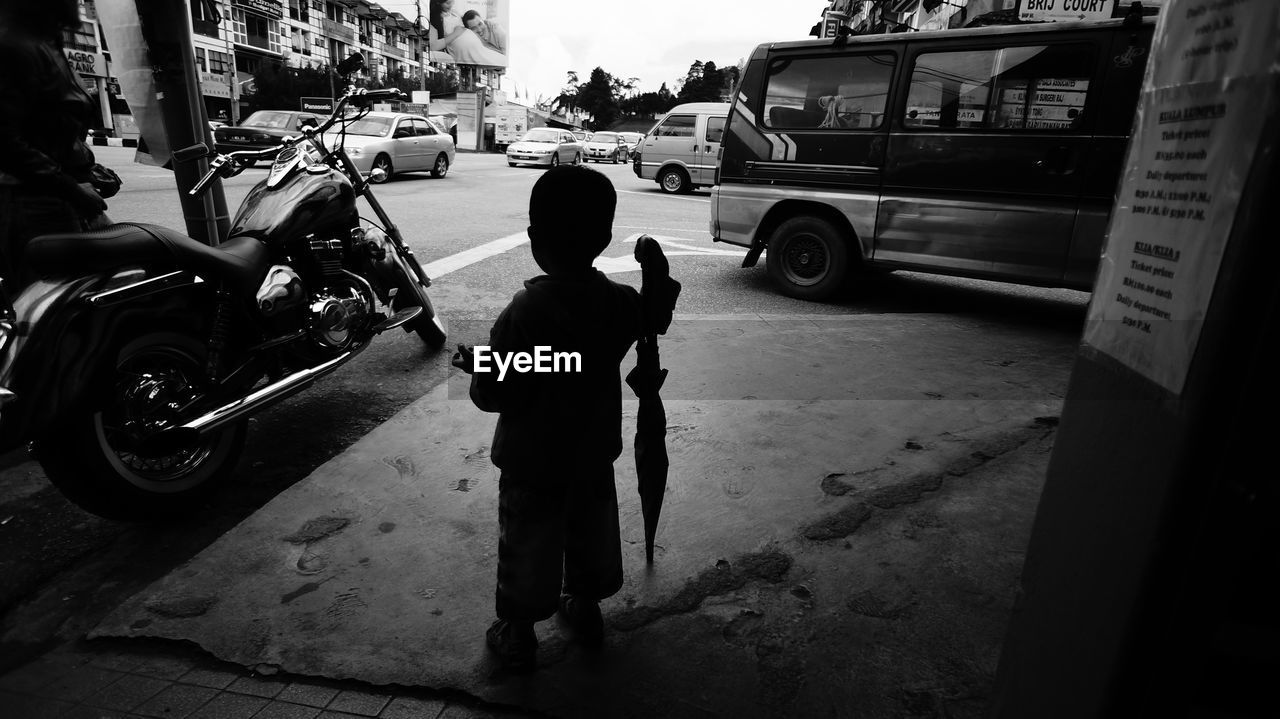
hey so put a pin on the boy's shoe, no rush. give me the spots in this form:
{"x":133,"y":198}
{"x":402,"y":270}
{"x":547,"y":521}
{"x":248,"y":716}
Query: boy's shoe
{"x":584,"y":618}
{"x":515,"y":644}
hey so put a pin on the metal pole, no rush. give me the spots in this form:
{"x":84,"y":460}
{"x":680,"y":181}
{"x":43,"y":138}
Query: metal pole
{"x":167,"y":31}
{"x":424,"y":48}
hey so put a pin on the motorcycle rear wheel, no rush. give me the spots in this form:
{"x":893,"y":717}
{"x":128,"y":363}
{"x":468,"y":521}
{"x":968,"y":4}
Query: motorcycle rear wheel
{"x":92,"y":455}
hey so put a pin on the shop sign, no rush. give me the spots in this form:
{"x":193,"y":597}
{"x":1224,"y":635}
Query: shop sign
{"x":87,"y":63}
{"x":215,"y":85}
{"x":322,"y":105}
{"x":831,"y":22}
{"x":270,"y":8}
{"x":1065,"y":10}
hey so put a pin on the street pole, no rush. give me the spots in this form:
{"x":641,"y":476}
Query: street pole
{"x":167,"y":31}
{"x":424,"y":40}
{"x":231,"y":80}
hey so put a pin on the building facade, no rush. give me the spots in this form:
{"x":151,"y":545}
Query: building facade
{"x":232,"y":39}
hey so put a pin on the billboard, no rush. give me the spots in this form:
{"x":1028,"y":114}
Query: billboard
{"x":469,"y":32}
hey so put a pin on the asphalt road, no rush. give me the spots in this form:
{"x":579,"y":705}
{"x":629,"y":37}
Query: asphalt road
{"x":63,"y":569}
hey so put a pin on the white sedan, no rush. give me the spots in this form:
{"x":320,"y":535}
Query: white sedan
{"x":395,"y":142}
{"x":545,"y":146}
{"x":607,"y":146}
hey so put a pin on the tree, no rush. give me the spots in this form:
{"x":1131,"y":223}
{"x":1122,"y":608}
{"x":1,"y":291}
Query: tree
{"x":277,"y":86}
{"x":692,"y":81}
{"x":598,"y":98}
{"x":704,"y":83}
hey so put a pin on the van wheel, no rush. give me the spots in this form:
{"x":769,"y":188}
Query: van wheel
{"x":673,"y":181}
{"x":808,"y":258}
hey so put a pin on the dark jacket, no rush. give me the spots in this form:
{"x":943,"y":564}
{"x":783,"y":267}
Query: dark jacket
{"x":45,"y":115}
{"x":561,"y":417}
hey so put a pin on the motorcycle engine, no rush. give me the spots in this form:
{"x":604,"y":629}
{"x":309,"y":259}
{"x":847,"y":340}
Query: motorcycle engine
{"x":338,"y":313}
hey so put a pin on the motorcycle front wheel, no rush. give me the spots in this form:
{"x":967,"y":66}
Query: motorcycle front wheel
{"x":411,"y":293}
{"x":102,"y":456}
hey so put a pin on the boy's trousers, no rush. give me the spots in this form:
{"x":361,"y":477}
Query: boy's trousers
{"x":554,"y":519}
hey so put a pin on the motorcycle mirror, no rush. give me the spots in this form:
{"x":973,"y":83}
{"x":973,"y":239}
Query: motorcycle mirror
{"x":353,"y":63}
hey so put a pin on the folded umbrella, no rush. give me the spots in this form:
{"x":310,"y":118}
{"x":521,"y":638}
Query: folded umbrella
{"x":658,"y":293}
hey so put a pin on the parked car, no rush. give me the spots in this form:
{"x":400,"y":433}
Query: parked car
{"x":396,"y":142}
{"x":582,"y":136}
{"x":545,"y":146}
{"x":606,"y":146}
{"x":263,"y":129}
{"x":633,"y":140}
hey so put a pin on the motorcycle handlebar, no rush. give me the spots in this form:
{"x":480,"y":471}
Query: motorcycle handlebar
{"x":368,"y":97}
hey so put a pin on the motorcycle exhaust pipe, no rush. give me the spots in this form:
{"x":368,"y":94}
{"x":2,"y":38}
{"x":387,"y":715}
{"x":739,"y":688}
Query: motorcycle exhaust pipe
{"x":247,"y":405}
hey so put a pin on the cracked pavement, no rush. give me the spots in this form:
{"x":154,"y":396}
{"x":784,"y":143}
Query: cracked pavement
{"x":847,"y":541}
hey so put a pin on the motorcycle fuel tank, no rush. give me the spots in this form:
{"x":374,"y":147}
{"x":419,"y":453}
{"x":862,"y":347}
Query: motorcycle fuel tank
{"x":299,"y":205}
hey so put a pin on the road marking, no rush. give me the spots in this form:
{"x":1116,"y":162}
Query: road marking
{"x":670,"y":197}
{"x":672,"y":247}
{"x":645,"y":228}
{"x":444,"y":266}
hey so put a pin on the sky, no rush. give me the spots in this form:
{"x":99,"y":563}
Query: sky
{"x":653,"y":40}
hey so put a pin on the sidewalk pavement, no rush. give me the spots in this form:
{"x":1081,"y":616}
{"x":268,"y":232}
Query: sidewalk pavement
{"x":844,"y":525}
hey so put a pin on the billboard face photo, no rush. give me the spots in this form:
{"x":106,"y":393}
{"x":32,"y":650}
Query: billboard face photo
{"x":469,"y":32}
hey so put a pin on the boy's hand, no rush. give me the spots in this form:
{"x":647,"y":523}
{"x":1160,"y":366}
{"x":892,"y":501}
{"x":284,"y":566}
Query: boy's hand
{"x":463,"y":359}
{"x":649,"y":255}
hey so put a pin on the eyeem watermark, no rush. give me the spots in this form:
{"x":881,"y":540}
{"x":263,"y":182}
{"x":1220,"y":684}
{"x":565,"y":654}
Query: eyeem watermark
{"x":541,"y":361}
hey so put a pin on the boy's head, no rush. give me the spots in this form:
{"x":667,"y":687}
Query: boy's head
{"x":570,"y":217}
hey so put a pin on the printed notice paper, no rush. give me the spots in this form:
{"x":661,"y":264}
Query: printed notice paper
{"x":1200,"y":117}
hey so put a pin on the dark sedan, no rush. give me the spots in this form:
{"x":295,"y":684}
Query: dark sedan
{"x":263,"y":129}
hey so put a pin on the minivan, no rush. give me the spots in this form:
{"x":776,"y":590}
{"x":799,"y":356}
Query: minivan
{"x":681,"y":150}
{"x":990,"y":152}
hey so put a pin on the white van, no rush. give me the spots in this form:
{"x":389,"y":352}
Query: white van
{"x":680,"y":152}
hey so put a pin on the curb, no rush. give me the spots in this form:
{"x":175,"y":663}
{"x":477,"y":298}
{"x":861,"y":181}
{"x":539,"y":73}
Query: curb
{"x":113,"y":141}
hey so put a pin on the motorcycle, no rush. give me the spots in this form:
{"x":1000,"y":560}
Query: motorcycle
{"x":133,"y":365}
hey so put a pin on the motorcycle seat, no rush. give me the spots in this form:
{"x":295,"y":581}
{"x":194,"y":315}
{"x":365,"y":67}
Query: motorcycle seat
{"x":242,"y":261}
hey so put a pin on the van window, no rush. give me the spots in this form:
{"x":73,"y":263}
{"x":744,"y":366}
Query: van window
{"x":847,"y":91}
{"x":676,"y":126}
{"x":715,"y":129}
{"x":1040,"y":87}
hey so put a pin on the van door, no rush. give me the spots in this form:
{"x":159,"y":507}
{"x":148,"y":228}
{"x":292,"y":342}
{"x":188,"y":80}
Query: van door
{"x":1101,"y":167}
{"x":707,"y":149}
{"x":672,"y":140}
{"x":983,"y":169}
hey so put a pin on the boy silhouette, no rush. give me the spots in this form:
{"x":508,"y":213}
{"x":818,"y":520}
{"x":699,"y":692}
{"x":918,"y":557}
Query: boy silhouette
{"x":559,"y":432}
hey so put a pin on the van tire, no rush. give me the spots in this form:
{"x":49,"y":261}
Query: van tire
{"x":673,"y":181}
{"x":808,"y":258}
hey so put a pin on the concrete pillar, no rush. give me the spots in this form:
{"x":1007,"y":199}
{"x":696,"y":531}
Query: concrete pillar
{"x":1143,"y":588}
